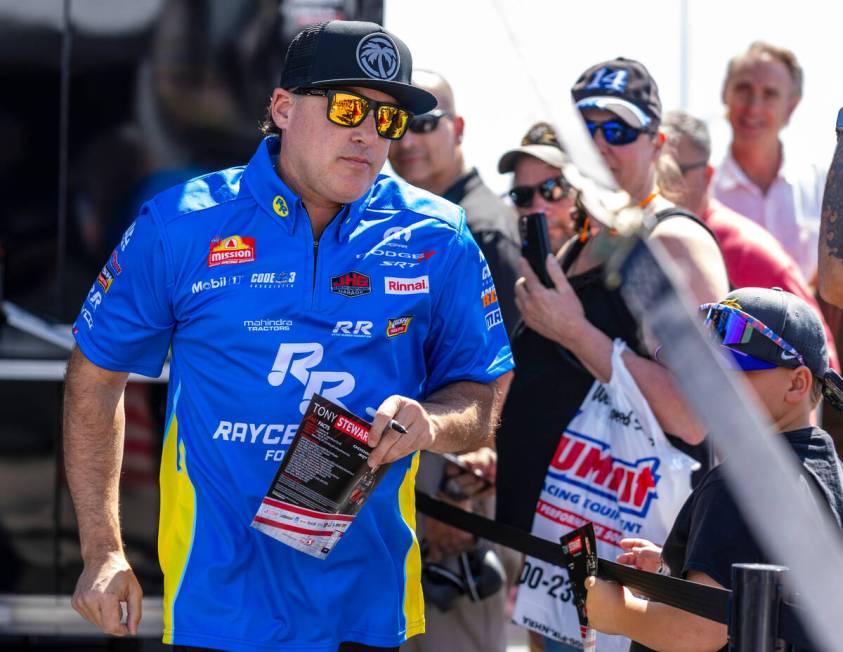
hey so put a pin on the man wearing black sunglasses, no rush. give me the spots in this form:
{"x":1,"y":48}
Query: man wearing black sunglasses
{"x":569,"y":337}
{"x":272,"y":282}
{"x":538,"y":183}
{"x":430,"y":156}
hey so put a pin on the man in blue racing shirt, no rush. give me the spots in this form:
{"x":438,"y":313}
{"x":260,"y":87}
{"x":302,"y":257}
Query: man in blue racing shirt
{"x":303,"y":272}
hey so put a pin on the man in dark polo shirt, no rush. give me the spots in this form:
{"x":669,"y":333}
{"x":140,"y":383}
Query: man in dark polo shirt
{"x":430,"y":156}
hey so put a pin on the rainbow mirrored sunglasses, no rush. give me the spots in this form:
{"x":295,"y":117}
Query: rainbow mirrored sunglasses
{"x":730,"y":326}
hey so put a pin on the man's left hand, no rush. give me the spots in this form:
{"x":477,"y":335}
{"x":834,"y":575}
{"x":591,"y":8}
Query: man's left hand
{"x":554,"y":313}
{"x":389,"y":445}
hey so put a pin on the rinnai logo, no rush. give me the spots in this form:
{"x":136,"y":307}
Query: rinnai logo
{"x":586,"y":463}
{"x":418,"y":285}
{"x":351,"y":284}
{"x":296,"y":359}
{"x":352,"y":329}
{"x":231,"y":250}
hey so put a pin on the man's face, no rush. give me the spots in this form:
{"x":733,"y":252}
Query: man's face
{"x":323,"y":160}
{"x":429,"y":160}
{"x":696,"y":174}
{"x":633,"y":165}
{"x":759,"y":99}
{"x":530,"y":171}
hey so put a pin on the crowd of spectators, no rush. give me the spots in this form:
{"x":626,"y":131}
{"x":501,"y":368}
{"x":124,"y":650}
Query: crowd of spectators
{"x":751,"y":220}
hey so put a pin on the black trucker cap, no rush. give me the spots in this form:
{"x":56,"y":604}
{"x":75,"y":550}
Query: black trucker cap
{"x":623,"y":87}
{"x":353,"y":53}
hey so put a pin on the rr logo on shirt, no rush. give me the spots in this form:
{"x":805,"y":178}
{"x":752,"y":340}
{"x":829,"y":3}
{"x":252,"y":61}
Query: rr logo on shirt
{"x":296,"y":359}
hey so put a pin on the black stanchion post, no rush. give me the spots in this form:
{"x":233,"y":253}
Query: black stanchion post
{"x":756,"y":596}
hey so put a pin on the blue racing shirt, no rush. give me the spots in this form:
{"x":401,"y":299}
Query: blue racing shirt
{"x":394,"y":298}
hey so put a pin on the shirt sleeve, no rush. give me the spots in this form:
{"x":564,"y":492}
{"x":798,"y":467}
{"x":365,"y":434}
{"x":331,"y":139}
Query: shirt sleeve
{"x":126,"y":321}
{"x":468,"y":341}
{"x":719,"y":536}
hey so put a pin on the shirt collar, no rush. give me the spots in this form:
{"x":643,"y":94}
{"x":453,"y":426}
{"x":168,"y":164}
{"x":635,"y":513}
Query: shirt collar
{"x":462,"y":186}
{"x":283,"y":205}
{"x":732,"y":175}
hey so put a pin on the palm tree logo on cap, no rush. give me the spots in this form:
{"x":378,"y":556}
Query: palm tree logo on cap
{"x":378,"y":56}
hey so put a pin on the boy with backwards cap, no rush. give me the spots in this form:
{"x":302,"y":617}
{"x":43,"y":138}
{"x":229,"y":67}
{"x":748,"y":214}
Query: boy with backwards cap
{"x":778,"y":342}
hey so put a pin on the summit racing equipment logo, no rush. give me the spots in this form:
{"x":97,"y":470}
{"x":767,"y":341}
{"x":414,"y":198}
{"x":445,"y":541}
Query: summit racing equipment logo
{"x":231,"y":250}
{"x":586,"y":463}
{"x":418,"y":285}
{"x":296,"y":359}
{"x":351,"y":284}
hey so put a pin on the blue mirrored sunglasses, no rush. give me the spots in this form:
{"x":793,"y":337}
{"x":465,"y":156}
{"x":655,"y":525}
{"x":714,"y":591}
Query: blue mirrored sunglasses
{"x":616,"y":132}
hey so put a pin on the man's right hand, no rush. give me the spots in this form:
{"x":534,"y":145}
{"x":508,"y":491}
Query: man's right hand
{"x":104,"y":584}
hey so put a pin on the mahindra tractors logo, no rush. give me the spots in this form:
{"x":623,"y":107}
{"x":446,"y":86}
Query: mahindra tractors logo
{"x":297,"y":359}
{"x":588,"y":464}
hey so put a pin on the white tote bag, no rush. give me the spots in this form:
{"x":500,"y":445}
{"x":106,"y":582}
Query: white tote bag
{"x":613,"y":466}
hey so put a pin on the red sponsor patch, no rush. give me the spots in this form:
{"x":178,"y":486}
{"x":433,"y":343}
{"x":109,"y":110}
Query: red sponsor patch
{"x":351,"y":284}
{"x":397,"y":326}
{"x":105,"y":278}
{"x":231,"y":250}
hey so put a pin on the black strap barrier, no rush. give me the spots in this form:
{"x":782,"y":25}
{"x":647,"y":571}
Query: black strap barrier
{"x":705,"y":601}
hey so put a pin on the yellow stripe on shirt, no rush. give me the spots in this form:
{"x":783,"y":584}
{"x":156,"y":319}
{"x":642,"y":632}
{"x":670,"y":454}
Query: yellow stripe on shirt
{"x":177,"y":519}
{"x":413,"y":598}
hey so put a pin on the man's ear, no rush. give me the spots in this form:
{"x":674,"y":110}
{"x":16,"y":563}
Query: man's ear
{"x":801,"y":381}
{"x":281,"y":105}
{"x":459,"y":127}
{"x":709,"y":174}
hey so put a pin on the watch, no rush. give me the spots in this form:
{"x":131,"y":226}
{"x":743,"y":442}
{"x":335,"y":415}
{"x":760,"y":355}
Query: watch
{"x":839,"y":123}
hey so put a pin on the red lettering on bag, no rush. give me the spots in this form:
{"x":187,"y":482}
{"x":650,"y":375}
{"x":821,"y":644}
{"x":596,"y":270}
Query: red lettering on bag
{"x":589,"y":464}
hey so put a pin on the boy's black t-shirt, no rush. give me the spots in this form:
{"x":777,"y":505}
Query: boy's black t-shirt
{"x":710,"y":533}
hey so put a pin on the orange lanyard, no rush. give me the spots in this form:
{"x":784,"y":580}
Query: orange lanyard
{"x":643,"y":203}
